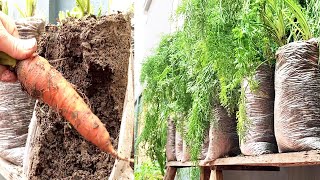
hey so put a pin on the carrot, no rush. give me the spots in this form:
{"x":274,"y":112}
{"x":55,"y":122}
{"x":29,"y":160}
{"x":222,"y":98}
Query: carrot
{"x":44,"y":82}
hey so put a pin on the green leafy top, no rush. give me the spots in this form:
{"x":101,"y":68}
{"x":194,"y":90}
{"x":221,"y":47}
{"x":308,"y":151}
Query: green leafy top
{"x":30,"y":9}
{"x":82,"y":8}
{"x":4,"y":6}
{"x":284,"y":21}
{"x":165,"y":94}
{"x":313,"y":16}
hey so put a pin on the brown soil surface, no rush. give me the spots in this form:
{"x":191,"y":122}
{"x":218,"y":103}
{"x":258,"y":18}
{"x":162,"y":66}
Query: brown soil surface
{"x":93,"y":55}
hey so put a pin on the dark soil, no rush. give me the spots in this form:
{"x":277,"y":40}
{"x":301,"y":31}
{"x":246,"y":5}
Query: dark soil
{"x":93,"y":55}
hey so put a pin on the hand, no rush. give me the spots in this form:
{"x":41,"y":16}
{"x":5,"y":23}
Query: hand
{"x":10,"y":43}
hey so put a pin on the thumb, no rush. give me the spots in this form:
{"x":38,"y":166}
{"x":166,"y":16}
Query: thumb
{"x":17,"y":48}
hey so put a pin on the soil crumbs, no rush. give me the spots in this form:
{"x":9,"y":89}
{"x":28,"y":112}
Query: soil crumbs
{"x":93,"y":54}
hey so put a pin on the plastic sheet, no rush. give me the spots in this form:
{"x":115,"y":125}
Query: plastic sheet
{"x":223,"y":137}
{"x":186,"y":152}
{"x":16,"y":106}
{"x":170,"y":147}
{"x":259,"y":131}
{"x":179,"y":146}
{"x":15,"y":113}
{"x":30,"y":27}
{"x":185,"y":147}
{"x":297,"y":97}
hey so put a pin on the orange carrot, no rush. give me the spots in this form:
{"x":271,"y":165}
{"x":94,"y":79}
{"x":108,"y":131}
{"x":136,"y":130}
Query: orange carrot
{"x":44,"y":82}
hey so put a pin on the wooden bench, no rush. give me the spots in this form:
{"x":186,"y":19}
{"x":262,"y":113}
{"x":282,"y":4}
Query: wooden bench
{"x":268,"y":162}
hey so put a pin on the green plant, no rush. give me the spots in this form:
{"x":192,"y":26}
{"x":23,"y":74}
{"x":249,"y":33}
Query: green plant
{"x":313,"y":16}
{"x":4,"y":6}
{"x":99,"y":10}
{"x":30,"y":9}
{"x":82,"y":8}
{"x":147,"y":171}
{"x":284,"y":21}
{"x":204,"y":49}
{"x":188,"y":173}
{"x":184,"y":77}
{"x":165,"y":94}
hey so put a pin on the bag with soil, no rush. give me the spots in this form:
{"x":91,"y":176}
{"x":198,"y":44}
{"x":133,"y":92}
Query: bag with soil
{"x":205,"y":146}
{"x":170,"y":147}
{"x":182,"y":150}
{"x":203,"y":153}
{"x":223,"y":137}
{"x":178,"y":146}
{"x":258,"y":137}
{"x":186,"y":152}
{"x":16,"y":107}
{"x":185,"y":147}
{"x":297,"y":97}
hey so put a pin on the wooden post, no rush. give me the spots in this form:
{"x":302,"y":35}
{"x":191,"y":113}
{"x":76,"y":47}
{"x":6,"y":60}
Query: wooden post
{"x":205,"y":173}
{"x":216,"y":174}
{"x":170,"y":173}
{"x":122,"y":169}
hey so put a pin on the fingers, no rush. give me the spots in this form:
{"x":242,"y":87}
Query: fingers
{"x":6,"y":75}
{"x":10,"y":43}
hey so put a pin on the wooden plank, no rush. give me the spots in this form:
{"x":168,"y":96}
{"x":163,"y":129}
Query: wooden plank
{"x":226,"y":167}
{"x":170,"y":173}
{"x":122,"y":169}
{"x":10,"y":171}
{"x":180,"y":164}
{"x":304,"y":158}
{"x":205,"y":173}
{"x":248,"y":168}
{"x":216,"y":174}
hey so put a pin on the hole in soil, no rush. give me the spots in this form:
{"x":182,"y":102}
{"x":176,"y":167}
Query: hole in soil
{"x":39,"y":170}
{"x":99,"y":79}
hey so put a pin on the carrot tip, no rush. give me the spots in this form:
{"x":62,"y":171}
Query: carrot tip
{"x":120,"y":157}
{"x":125,"y":159}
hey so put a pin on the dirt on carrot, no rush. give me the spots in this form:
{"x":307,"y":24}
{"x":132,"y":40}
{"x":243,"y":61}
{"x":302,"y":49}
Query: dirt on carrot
{"x":93,"y":55}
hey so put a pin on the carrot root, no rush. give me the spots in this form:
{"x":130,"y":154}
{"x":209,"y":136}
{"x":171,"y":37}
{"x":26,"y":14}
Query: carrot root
{"x":44,"y":82}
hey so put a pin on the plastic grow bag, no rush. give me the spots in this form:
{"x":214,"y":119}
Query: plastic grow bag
{"x":186,"y":152}
{"x":259,"y":104}
{"x":178,"y":146}
{"x":223,"y":137}
{"x":297,"y":97}
{"x":170,"y":146}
